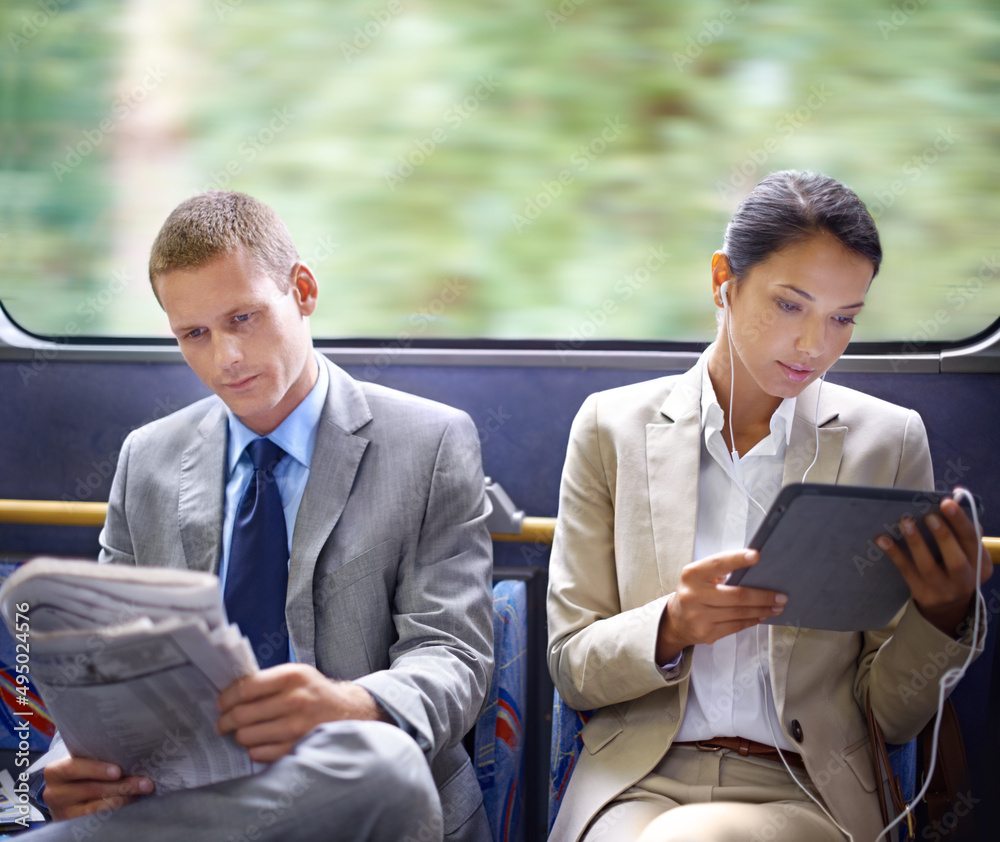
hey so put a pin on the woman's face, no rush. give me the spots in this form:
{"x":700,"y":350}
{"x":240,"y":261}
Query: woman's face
{"x":792,"y":316}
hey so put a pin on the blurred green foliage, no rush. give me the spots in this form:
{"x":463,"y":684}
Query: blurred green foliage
{"x":508,"y":168}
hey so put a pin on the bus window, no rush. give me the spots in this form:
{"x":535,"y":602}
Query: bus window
{"x":556,"y":171}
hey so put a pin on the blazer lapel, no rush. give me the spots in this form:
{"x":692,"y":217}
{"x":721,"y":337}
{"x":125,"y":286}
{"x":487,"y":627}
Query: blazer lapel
{"x":202,"y":491}
{"x":802,"y":444}
{"x":673,"y":454}
{"x":335,"y":463}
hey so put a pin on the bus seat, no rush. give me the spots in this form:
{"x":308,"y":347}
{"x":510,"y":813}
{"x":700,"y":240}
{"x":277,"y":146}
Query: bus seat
{"x":567,"y":724}
{"x":499,"y":734}
{"x":20,"y":704}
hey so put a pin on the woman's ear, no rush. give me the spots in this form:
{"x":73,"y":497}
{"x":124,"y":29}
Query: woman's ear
{"x":721,"y":274}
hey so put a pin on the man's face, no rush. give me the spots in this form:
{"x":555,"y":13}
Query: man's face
{"x":246,"y":340}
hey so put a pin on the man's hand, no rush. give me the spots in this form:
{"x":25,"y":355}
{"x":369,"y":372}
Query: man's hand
{"x":703,"y":608}
{"x":269,"y":711}
{"x":77,"y":787}
{"x":942,"y":592}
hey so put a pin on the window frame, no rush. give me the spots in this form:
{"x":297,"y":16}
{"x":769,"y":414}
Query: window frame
{"x":977,"y":353}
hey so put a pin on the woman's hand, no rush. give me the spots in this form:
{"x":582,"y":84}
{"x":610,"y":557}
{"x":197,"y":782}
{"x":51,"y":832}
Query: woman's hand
{"x":704,"y":608}
{"x":941,"y":591}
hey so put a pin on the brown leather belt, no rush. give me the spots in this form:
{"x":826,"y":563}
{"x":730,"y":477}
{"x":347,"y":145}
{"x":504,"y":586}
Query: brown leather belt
{"x":747,"y":748}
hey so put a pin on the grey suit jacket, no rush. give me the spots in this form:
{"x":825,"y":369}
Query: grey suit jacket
{"x":390,"y":571}
{"x":626,"y":527}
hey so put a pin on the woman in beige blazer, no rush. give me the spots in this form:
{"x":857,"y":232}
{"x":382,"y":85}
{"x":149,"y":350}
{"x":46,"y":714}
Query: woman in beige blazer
{"x":642,"y":626}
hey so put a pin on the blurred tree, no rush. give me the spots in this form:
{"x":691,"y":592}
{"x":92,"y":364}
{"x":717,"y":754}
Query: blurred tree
{"x":505,"y":169}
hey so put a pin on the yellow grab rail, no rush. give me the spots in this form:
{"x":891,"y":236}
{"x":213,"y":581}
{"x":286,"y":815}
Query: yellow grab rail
{"x":53,"y":512}
{"x":534,"y":530}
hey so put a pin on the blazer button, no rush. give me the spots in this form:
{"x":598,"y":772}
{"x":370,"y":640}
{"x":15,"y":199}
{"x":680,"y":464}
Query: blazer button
{"x":796,"y":730}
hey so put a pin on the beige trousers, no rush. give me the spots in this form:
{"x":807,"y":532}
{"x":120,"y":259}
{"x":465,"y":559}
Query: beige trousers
{"x":715,"y":796}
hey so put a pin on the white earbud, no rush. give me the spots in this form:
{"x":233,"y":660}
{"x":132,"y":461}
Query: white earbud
{"x":724,"y":294}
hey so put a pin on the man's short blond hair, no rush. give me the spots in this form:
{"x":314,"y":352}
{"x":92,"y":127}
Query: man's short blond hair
{"x":219,"y":222}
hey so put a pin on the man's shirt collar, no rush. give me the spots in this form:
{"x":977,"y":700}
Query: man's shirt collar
{"x":296,"y":435}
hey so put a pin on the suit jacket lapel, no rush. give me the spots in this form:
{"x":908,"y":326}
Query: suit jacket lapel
{"x":335,"y":462}
{"x":802,"y":444}
{"x":673,"y":455}
{"x":202,"y":492}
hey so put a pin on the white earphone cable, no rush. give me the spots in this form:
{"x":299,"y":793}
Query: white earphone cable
{"x":948,"y":682}
{"x":737,"y":467}
{"x":819,"y":391}
{"x":766,"y":686}
{"x":952,"y":676}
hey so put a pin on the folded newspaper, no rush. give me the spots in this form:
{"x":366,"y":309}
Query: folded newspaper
{"x":129,"y":662}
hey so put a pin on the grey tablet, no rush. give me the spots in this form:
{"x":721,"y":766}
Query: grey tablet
{"x":817,"y":545}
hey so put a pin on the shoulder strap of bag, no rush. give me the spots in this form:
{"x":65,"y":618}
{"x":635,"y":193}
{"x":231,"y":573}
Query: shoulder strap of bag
{"x":884,"y":772}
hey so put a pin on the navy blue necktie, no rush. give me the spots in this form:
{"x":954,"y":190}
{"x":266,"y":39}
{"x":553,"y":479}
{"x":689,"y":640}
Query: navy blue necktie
{"x":257,"y":577}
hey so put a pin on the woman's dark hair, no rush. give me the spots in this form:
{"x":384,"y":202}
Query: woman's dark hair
{"x":790,"y":206}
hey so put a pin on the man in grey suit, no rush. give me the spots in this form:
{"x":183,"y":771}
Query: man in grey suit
{"x":388,"y":605}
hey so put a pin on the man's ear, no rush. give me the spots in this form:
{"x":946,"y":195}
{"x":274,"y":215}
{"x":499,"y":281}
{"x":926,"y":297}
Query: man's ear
{"x":304,"y":288}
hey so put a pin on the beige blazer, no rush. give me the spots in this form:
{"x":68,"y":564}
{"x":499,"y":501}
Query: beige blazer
{"x":626,"y":527}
